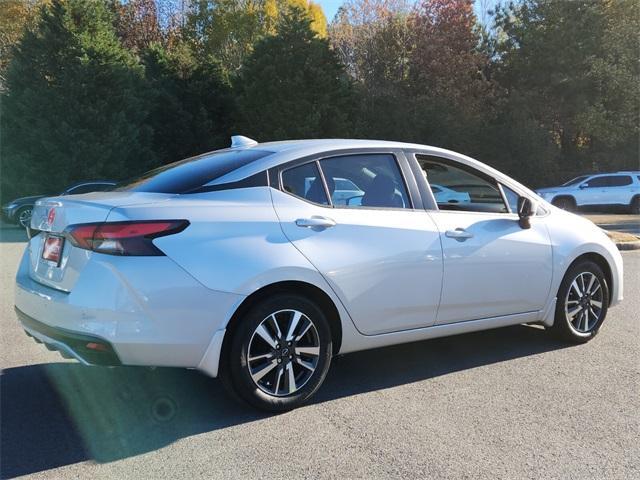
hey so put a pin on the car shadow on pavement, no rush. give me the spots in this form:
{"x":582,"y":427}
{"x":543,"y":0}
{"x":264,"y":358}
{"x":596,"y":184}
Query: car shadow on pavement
{"x":62,"y":413}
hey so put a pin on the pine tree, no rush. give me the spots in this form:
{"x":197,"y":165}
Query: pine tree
{"x":293,"y":86}
{"x":72,"y":109}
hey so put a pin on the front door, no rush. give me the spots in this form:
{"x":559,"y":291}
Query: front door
{"x":492,"y":267}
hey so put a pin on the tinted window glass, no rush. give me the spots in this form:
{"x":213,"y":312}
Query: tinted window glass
{"x":370,"y":180}
{"x":619,"y":180}
{"x":305,"y":182}
{"x":186,"y":175}
{"x":89,"y":187}
{"x":597,"y":182}
{"x":461,"y":189}
{"x":575,"y":181}
{"x":512,"y":198}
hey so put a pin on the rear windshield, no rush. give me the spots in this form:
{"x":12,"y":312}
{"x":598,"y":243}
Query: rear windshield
{"x":194,"y":172}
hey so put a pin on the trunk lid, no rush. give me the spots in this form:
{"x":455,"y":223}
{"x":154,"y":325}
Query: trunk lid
{"x":52,"y":215}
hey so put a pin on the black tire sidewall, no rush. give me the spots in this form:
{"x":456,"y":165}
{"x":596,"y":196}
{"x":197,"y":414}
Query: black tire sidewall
{"x":237,"y":360}
{"x":561,"y":323}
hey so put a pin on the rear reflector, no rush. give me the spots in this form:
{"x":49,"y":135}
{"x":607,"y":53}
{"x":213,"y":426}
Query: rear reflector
{"x":123,"y":238}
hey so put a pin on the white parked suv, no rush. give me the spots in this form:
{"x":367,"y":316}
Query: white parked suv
{"x":240,"y":264}
{"x":605,"y":189}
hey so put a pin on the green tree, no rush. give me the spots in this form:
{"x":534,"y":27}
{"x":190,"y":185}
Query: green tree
{"x":228,"y":29}
{"x":293,"y":86}
{"x":190,"y":106}
{"x":574,"y":67}
{"x":72,"y":108}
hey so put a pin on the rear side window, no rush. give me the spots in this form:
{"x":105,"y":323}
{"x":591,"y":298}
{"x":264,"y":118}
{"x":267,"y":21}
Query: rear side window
{"x":620,"y":180}
{"x":365,"y":180}
{"x":305,"y":182}
{"x":194,"y":172}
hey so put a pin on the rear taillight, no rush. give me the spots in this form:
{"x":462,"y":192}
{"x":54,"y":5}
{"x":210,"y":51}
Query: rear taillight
{"x":123,"y":238}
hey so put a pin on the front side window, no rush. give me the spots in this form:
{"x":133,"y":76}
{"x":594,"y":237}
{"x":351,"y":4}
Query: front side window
{"x":511,"y":197}
{"x":459,"y":188}
{"x":305,"y":182}
{"x":365,"y":180}
{"x":597,"y":182}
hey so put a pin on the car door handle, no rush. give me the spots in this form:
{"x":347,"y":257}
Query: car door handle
{"x":315,"y":222}
{"x":459,"y":234}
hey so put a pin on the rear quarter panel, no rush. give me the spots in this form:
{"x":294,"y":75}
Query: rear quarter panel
{"x":234,"y":242}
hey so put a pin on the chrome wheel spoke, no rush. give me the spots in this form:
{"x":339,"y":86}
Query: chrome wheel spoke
{"x":304,"y":330}
{"x":571,"y":314}
{"x":575,"y":286}
{"x":307,"y":365}
{"x":276,"y":327}
{"x":293,"y":324}
{"x":260,"y":357}
{"x":266,"y":336}
{"x":291,"y":379}
{"x":592,"y":280}
{"x":278,"y":380}
{"x":315,"y":351}
{"x":259,"y":373}
{"x":596,"y":303}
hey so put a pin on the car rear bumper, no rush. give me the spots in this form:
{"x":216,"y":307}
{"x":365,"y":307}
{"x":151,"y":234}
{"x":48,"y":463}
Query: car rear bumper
{"x":87,"y":349}
{"x":143,"y":311}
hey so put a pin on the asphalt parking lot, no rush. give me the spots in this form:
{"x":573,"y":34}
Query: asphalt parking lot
{"x":508,"y":403}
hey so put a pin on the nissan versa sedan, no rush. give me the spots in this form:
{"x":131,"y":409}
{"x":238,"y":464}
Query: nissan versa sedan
{"x":240,"y":264}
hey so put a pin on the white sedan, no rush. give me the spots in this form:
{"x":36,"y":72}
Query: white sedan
{"x":238,"y":263}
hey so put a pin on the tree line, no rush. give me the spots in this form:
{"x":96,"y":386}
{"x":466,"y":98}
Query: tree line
{"x":545,"y":90}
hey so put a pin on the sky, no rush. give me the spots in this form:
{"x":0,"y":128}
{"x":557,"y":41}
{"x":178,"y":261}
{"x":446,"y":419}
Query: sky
{"x":330,"y":7}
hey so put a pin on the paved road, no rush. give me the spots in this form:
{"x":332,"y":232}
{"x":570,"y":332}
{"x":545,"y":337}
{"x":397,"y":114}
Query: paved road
{"x":509,"y":403}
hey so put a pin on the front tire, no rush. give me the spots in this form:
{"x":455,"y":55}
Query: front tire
{"x":279,"y":354}
{"x":582,"y":303}
{"x":635,"y":206}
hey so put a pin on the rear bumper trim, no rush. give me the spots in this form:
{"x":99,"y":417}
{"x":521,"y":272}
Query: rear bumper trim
{"x":70,"y":342}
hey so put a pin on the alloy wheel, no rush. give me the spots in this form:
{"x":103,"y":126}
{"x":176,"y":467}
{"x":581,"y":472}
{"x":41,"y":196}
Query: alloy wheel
{"x":583,"y":303}
{"x":24,"y":218}
{"x":283,"y":352}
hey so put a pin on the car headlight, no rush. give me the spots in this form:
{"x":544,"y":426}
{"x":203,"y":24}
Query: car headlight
{"x":9,"y":206}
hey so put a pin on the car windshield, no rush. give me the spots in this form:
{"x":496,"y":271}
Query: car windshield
{"x":575,"y":180}
{"x":191,"y":173}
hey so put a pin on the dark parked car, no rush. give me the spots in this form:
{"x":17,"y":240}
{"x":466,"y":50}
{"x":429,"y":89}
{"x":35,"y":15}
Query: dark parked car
{"x":19,"y":210}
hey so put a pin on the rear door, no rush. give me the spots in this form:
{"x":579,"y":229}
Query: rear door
{"x":380,"y":255}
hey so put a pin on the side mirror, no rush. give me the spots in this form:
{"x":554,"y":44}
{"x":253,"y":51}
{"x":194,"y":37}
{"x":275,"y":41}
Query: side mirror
{"x":584,"y":185}
{"x":525,"y":212}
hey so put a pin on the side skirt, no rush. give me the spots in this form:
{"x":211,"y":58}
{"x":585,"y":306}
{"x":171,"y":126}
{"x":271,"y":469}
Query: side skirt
{"x":362,"y":342}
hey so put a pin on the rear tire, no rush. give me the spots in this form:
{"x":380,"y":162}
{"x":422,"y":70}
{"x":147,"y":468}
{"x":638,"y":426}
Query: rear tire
{"x":582,"y":303}
{"x":565,"y":203}
{"x":279,"y":353}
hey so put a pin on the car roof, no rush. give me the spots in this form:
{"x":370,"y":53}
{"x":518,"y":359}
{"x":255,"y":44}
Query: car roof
{"x":287,"y":150}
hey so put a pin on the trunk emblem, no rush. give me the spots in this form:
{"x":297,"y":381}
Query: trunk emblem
{"x":51,"y":216}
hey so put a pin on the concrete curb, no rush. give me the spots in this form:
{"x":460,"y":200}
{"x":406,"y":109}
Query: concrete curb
{"x":628,"y":245}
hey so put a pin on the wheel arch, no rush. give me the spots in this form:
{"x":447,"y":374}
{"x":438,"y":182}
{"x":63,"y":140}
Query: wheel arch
{"x":289,"y":286}
{"x":602,"y":262}
{"x":564,"y":196}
